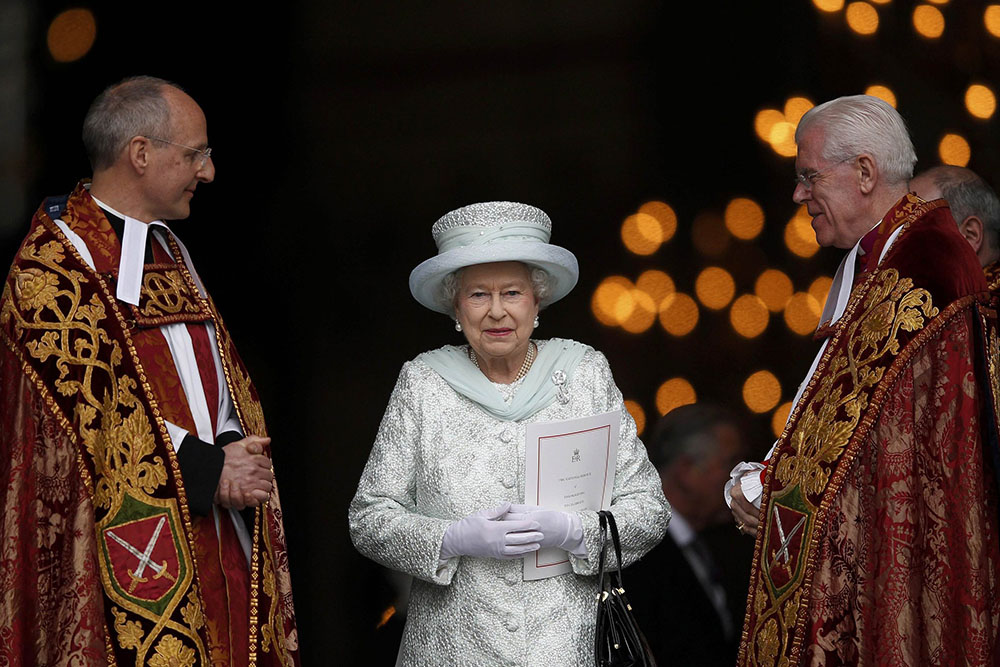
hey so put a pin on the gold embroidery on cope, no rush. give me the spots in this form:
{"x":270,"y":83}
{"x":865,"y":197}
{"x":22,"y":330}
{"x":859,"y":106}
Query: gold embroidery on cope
{"x":817,"y":443}
{"x":144,"y":561}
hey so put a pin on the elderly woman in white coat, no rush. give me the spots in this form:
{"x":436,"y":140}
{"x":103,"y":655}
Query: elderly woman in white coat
{"x":440,"y":496}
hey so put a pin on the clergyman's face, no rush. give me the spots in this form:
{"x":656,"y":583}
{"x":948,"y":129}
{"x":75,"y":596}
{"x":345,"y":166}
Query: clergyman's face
{"x":832,"y":198}
{"x":174,"y":172}
{"x":497,"y":308}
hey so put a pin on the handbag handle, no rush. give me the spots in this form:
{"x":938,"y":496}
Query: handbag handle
{"x":607,"y":520}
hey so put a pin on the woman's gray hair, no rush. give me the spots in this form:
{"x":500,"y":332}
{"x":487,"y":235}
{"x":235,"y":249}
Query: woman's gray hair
{"x":134,"y":107}
{"x":541,"y":285}
{"x":864,"y":124}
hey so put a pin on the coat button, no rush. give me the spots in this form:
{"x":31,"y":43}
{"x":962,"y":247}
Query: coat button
{"x":511,"y":624}
{"x":507,"y":435}
{"x":507,"y":481}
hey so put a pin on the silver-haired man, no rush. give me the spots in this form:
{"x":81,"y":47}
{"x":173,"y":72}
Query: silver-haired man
{"x":878,"y":517}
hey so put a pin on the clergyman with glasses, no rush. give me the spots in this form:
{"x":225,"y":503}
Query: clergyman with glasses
{"x":875,"y":513}
{"x":142,"y":522}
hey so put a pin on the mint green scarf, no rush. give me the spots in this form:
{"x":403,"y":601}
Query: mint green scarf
{"x":537,"y":390}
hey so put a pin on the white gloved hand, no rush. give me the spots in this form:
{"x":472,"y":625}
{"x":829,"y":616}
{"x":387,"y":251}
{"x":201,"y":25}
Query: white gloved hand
{"x":483,"y":534}
{"x":562,"y":530}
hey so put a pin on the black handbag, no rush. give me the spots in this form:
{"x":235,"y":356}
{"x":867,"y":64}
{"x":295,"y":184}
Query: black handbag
{"x":618,"y":642}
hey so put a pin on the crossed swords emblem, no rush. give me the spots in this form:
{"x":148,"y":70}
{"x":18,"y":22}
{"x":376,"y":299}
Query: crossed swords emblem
{"x":160,"y":570}
{"x":785,"y":541}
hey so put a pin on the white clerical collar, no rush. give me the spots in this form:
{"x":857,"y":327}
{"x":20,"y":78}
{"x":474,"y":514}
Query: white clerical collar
{"x":680,"y":530}
{"x":843,"y":281}
{"x":133,"y":257}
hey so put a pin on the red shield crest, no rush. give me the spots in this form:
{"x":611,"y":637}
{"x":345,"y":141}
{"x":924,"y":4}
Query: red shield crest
{"x":143,"y":556}
{"x":786,"y":529}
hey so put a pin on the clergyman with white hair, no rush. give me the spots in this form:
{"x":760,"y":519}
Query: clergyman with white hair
{"x":875,"y":514}
{"x":440,"y":498}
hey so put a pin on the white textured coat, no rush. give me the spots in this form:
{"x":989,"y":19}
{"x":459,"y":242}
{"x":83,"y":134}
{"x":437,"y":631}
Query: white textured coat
{"x":439,"y":457}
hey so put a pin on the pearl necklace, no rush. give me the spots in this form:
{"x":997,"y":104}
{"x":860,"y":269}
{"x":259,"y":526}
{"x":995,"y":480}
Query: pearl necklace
{"x":529,"y":358}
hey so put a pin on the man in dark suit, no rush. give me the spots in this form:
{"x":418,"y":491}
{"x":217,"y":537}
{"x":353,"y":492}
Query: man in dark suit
{"x":687,"y":606}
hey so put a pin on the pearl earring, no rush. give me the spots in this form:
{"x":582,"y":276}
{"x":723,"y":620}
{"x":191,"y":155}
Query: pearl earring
{"x":458,"y":325}
{"x":536,"y":321}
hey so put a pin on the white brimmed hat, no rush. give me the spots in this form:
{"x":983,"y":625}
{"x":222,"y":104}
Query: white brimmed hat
{"x":496,"y":231}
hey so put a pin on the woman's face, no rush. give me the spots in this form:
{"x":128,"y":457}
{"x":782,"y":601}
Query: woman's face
{"x":497,"y":308}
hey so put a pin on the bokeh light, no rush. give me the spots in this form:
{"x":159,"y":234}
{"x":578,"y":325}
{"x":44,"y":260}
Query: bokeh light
{"x":638,"y":414}
{"x":782,"y":138}
{"x":819,"y":289}
{"x":802,"y":313}
{"x":71,"y":35}
{"x":664,"y":215}
{"x":714,"y":287}
{"x":765,"y":120}
{"x":829,"y":5}
{"x":991,"y":19}
{"x":862,"y":18}
{"x":774,"y":288}
{"x":674,"y":393}
{"x":744,"y":218}
{"x":795,"y":108}
{"x":980,"y":101}
{"x":678,"y":314}
{"x":884,"y":93}
{"x":761,"y":391}
{"x":749,"y":316}
{"x":954,"y":149}
{"x":709,"y":234}
{"x":883,"y":2}
{"x":613,"y":302}
{"x":643,"y":312}
{"x":928,"y":21}
{"x":656,"y":284}
{"x":779,"y":418}
{"x":800,"y":238}
{"x":642,"y":233}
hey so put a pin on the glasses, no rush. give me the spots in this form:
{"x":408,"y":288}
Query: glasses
{"x":808,"y":179}
{"x":204,"y":153}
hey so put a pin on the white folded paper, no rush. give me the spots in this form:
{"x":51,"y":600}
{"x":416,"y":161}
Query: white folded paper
{"x":569,"y":466}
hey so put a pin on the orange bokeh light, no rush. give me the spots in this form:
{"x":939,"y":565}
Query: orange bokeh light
{"x":779,"y":418}
{"x":71,"y":35}
{"x":883,"y":93}
{"x":674,"y":393}
{"x":774,"y":288}
{"x":715,"y":287}
{"x":664,"y":215}
{"x":819,"y":289}
{"x":749,"y":316}
{"x":638,"y":414}
{"x":678,"y":314}
{"x":744,"y":218}
{"x":761,"y":391}
{"x":656,"y":284}
{"x":802,"y":313}
{"x":954,"y":149}
{"x":799,"y":235}
{"x":613,"y":302}
{"x":862,"y":18}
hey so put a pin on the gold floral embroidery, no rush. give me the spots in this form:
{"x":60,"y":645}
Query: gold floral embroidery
{"x":767,"y":643}
{"x":171,"y":652}
{"x":130,"y":634}
{"x":820,"y":437}
{"x":191,"y":612}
